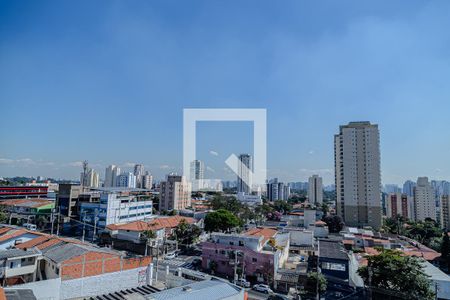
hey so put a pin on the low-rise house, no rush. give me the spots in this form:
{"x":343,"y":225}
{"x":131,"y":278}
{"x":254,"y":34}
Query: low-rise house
{"x":11,"y":236}
{"x":27,"y":210}
{"x":18,"y":266}
{"x":257,"y":253}
{"x":135,"y":232}
{"x":333,"y":260}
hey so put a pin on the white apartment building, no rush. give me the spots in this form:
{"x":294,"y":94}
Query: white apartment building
{"x":127,"y":180}
{"x":315,"y":190}
{"x":117,"y":205}
{"x":90,"y":178}
{"x":111,"y":174}
{"x":357,"y":174}
{"x":424,"y":201}
{"x":175,"y":193}
{"x":147,"y":181}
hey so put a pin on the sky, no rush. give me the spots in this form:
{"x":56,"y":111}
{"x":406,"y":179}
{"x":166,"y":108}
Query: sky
{"x":107,"y":82}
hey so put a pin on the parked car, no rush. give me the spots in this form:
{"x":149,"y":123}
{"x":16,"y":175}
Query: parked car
{"x":30,"y":226}
{"x":170,"y":255}
{"x":243,"y":283}
{"x":262,"y":288}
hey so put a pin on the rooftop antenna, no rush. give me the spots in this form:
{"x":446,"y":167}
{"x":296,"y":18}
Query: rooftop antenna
{"x":85,"y":169}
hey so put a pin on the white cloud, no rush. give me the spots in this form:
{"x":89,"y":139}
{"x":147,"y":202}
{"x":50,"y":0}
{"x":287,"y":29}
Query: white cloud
{"x":129,"y":164}
{"x":164,"y":167}
{"x":311,"y":152}
{"x":212,"y":152}
{"x":6,"y":161}
{"x":77,"y":164}
{"x":210,"y":169}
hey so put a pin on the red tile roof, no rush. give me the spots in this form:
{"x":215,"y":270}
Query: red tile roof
{"x":265,"y":232}
{"x":155,"y":224}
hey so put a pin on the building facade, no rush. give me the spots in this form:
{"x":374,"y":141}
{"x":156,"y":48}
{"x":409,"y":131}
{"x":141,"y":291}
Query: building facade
{"x":111,"y":174}
{"x":408,"y":188}
{"x":126,"y":180}
{"x":400,"y":204}
{"x":424,"y":200}
{"x":445,"y":212}
{"x":197,"y":174}
{"x":245,"y":169}
{"x":315,"y":190}
{"x":357,"y":174}
{"x":175,"y":193}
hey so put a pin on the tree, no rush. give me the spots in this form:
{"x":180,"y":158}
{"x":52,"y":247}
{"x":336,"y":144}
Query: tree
{"x":282,"y":206}
{"x":334,"y":223}
{"x":3,"y":216}
{"x":221,"y":220}
{"x":394,"y":272}
{"x":315,"y":282}
{"x":185,"y":233}
{"x":445,"y":251}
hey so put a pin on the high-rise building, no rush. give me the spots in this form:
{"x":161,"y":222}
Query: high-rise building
{"x":245,"y":169}
{"x":89,"y":178}
{"x":197,"y":174}
{"x":445,"y":212}
{"x":357,"y":174}
{"x":392,"y":189}
{"x":424,"y":200}
{"x":127,"y":180}
{"x":277,"y":190}
{"x":315,"y":190}
{"x":400,"y":204}
{"x":175,"y":193}
{"x":138,"y":172}
{"x":408,"y":188}
{"x":147,"y":181}
{"x":111,"y":174}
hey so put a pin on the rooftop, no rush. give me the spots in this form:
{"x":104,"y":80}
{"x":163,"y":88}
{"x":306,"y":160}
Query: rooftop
{"x":265,"y":232}
{"x":203,"y":290}
{"x":153,"y":224}
{"x":332,"y":249}
{"x":16,"y":253}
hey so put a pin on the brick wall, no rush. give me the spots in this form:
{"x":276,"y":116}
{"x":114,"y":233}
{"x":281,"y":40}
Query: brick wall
{"x":96,"y":263}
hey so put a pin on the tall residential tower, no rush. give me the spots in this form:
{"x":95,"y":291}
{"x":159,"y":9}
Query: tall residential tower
{"x":315,"y":190}
{"x":357,"y":174}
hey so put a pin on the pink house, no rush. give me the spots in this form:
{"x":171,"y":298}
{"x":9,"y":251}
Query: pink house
{"x":256,"y":254}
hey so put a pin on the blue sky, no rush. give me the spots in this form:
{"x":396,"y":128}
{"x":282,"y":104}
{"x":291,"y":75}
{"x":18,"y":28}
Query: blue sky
{"x":107,"y":81}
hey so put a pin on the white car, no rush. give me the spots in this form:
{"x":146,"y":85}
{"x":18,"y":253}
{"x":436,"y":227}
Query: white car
{"x":243,"y":283}
{"x":170,"y":255}
{"x":262,"y":288}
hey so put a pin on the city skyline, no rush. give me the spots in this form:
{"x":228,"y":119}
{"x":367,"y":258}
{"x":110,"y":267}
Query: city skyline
{"x":101,"y":90}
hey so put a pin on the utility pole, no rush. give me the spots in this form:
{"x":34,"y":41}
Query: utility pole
{"x":57,"y":226}
{"x":235,"y":266}
{"x":84,"y":225}
{"x":95,"y":227}
{"x":52,"y":217}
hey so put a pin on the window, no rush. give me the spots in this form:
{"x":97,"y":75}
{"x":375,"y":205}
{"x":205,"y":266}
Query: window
{"x":241,"y":243}
{"x":231,"y":243}
{"x":254,"y":259}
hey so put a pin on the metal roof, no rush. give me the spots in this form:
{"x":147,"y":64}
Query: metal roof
{"x":125,"y":294}
{"x":332,"y":249}
{"x":203,"y":290}
{"x":12,"y":253}
{"x":67,"y":251}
